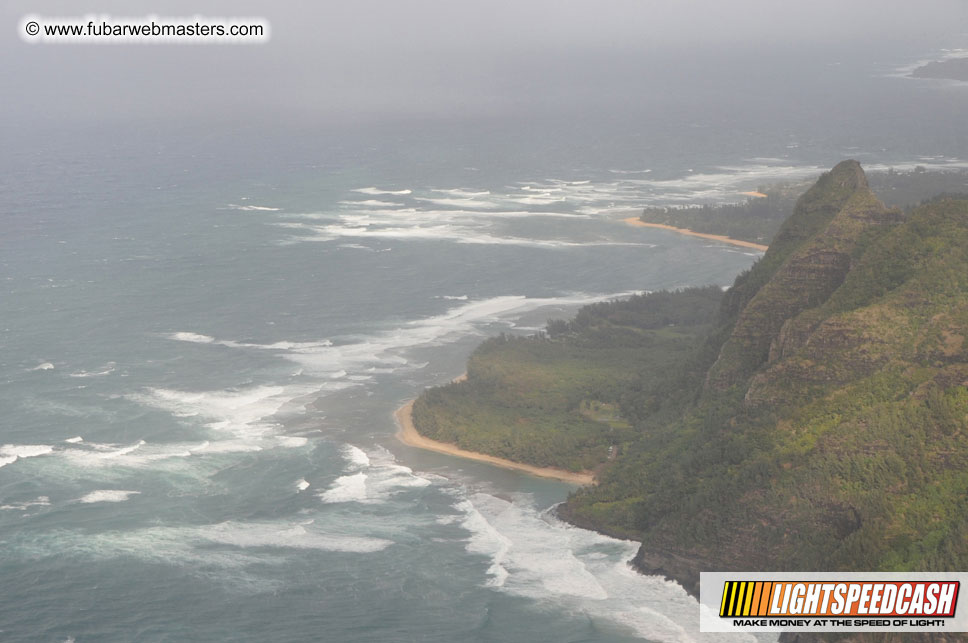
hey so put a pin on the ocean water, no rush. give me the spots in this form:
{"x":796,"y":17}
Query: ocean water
{"x":204,"y":331}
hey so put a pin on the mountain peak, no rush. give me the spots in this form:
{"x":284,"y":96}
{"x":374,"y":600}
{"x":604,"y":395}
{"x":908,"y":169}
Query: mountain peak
{"x":848,"y":174}
{"x":811,"y":256}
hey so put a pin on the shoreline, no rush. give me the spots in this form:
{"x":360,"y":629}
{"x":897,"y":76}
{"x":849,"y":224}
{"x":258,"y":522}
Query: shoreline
{"x":704,"y":235}
{"x":407,"y":433}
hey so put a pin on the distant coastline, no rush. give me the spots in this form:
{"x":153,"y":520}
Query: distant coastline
{"x":950,"y":69}
{"x":407,"y":433}
{"x":712,"y":237}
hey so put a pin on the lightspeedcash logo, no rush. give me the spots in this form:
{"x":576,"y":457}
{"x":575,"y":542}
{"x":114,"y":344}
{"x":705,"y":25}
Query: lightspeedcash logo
{"x":825,"y":602}
{"x":851,"y":598}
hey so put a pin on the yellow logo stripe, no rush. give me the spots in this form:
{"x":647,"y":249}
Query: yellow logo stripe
{"x":746,"y":598}
{"x":750,"y":586}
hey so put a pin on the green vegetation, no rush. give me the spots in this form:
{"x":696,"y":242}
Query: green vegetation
{"x":908,"y":189}
{"x":563,"y":398}
{"x":758,"y":219}
{"x":814,"y":417}
{"x":845,"y":446}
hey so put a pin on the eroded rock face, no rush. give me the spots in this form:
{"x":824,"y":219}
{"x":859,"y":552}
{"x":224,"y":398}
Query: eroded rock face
{"x":843,"y":210}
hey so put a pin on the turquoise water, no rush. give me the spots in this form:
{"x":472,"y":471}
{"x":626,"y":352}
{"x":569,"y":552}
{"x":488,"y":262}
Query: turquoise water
{"x":204,"y":334}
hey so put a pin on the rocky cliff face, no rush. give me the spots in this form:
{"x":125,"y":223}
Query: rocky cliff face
{"x":832,"y":430}
{"x":818,"y":245}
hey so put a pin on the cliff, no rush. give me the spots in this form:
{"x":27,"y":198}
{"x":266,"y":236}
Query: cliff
{"x":831,"y":431}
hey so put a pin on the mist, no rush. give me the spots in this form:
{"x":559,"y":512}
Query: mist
{"x":378,"y":59}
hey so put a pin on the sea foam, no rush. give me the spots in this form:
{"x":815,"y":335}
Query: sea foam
{"x":372,"y":482}
{"x":10,"y":453}
{"x":351,"y":488}
{"x":107,"y":495}
{"x":534,"y":555}
{"x":373,"y":190}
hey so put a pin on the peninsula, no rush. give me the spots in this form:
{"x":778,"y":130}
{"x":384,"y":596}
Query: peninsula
{"x":813,"y":416}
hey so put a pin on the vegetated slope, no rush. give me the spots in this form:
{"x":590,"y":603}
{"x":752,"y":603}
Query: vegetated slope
{"x":831,"y":431}
{"x":566,"y":397}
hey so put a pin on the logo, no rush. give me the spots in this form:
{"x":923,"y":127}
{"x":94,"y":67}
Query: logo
{"x":832,"y":602}
{"x":833,"y":599}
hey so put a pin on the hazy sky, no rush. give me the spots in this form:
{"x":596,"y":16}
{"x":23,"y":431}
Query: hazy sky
{"x":335,"y":59}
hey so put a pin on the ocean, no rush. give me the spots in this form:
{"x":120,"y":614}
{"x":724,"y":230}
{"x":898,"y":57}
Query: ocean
{"x":206,"y":328}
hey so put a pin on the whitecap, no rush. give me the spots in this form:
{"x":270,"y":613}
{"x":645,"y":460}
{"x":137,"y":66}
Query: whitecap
{"x":356,"y":456}
{"x":117,"y":453}
{"x":292,"y":441}
{"x":302,"y":485}
{"x":533,"y":554}
{"x":373,"y":190}
{"x":380,"y":481}
{"x":10,"y":453}
{"x":256,"y":208}
{"x":191,"y":337}
{"x":243,"y":414}
{"x":40,"y":501}
{"x":46,"y":366}
{"x":107,"y":369}
{"x":373,"y":203}
{"x":538,"y":199}
{"x":462,"y":192}
{"x":351,"y":488}
{"x":466,"y":202}
{"x":487,"y":541}
{"x":25,"y":450}
{"x":225,"y":446}
{"x":93,"y":455}
{"x":394,"y":478}
{"x":107,"y":495}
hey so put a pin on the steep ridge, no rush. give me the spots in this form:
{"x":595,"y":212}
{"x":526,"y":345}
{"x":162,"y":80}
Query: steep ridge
{"x":813,"y":253}
{"x":832,"y":428}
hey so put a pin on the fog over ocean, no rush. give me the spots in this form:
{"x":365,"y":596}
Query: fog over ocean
{"x":206,"y":327}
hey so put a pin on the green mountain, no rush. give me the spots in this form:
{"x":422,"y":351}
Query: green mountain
{"x":814,"y":417}
{"x":831,"y":431}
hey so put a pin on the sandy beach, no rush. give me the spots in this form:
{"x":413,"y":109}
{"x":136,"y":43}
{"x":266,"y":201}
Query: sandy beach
{"x":407,"y":433}
{"x":713,"y":237}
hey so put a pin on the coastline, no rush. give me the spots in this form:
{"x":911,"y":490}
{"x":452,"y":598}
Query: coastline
{"x":686,"y":231}
{"x":407,"y":433}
